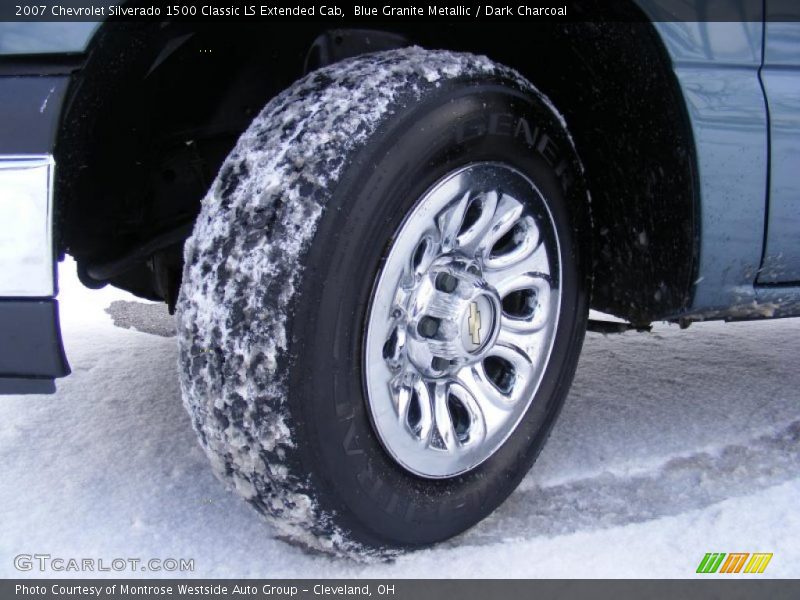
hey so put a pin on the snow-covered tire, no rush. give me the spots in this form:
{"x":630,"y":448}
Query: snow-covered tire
{"x":279,"y":274}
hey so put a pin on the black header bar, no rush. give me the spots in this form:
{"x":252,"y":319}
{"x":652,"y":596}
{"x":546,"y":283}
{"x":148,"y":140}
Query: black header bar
{"x":370,"y":11}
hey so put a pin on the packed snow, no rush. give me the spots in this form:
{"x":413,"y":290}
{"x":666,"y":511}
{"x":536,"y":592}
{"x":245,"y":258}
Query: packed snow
{"x":671,"y":444}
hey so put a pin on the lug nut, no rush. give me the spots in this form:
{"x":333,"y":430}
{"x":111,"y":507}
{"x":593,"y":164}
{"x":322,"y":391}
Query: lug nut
{"x":428,"y":327}
{"x":446,"y":283}
{"x":439,"y":364}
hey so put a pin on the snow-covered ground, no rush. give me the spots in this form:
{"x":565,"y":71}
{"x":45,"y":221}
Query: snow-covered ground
{"x":671,"y":445}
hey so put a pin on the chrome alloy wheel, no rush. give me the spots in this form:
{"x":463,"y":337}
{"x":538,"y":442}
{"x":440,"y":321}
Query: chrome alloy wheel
{"x":462,"y":320}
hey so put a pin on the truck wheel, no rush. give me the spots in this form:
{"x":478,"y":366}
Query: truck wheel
{"x":384,"y":299}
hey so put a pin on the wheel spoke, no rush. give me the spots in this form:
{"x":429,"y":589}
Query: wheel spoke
{"x":504,"y":279}
{"x":449,"y":222}
{"x":521,"y":362}
{"x":443,"y":436}
{"x":535,"y":300}
{"x":494,"y":405}
{"x":523,"y":241}
{"x":472,"y":235}
{"x":425,"y":424}
{"x":394,"y":346}
{"x":476,"y":429}
{"x":404,"y":387}
{"x":506,"y":214}
{"x":524,"y":341}
{"x":424,"y":255}
{"x":474,"y":378}
{"x":401,"y":393}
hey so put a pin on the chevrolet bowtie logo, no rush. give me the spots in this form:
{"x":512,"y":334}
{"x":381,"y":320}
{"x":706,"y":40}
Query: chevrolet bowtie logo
{"x":474,"y":323}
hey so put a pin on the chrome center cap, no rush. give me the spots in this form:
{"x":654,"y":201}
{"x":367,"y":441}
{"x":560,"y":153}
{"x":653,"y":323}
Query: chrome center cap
{"x":453,"y":317}
{"x":478,"y":323}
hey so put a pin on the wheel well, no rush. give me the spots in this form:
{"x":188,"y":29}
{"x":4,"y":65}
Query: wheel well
{"x":156,"y":109}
